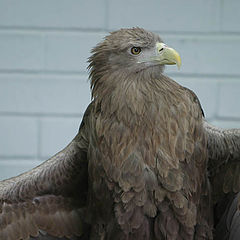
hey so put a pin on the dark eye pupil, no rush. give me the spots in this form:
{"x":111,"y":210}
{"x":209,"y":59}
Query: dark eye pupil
{"x":136,"y":50}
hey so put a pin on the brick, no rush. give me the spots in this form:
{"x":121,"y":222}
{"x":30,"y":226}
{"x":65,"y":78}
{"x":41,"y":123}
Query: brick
{"x":53,"y":14}
{"x":226,"y":124}
{"x":21,"y":51}
{"x":229,"y":99}
{"x":13,"y":167}
{"x":56,"y":133}
{"x":207,"y":54}
{"x":70,"y":52}
{"x":18,"y":136}
{"x":230,"y":16}
{"x":205,"y":89}
{"x":160,"y":15}
{"x":37,"y":94}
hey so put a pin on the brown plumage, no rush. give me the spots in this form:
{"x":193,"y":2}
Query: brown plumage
{"x":138,"y":168}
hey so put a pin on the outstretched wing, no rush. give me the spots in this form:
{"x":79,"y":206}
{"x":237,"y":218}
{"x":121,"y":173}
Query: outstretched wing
{"x":48,"y":202}
{"x":224,"y":170}
{"x":224,"y":160}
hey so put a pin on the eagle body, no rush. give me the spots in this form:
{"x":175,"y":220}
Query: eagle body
{"x":150,"y":174}
{"x":144,"y":165}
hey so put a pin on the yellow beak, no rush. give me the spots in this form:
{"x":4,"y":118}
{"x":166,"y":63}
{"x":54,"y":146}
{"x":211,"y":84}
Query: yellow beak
{"x":167,"y":55}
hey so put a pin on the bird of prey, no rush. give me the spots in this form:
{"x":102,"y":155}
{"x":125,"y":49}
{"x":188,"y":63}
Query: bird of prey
{"x":144,"y":165}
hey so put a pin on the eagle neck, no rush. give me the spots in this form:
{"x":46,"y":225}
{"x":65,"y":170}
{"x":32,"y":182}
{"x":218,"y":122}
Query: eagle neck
{"x":133,"y":97}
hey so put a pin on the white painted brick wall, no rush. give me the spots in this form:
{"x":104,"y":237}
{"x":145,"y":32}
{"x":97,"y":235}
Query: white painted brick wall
{"x":55,"y":133}
{"x":21,"y":50}
{"x":176,"y":16}
{"x":64,"y":14}
{"x":74,"y":55}
{"x":42,"y":94}
{"x":44,"y":46}
{"x":19,"y":137}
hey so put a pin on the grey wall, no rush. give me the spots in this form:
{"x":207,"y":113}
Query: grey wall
{"x":44,"y":46}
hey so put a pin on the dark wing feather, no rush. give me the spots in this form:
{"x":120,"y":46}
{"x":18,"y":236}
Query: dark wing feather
{"x":228,"y":227}
{"x":43,"y":236}
{"x":224,"y":160}
{"x":49,"y":201}
{"x":224,"y":170}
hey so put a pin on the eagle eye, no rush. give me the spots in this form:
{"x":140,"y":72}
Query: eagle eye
{"x":135,"y":50}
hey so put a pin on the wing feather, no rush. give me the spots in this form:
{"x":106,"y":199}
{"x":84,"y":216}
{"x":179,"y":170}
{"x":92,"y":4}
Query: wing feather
{"x":224,"y":170}
{"x":224,"y":160}
{"x":49,"y":201}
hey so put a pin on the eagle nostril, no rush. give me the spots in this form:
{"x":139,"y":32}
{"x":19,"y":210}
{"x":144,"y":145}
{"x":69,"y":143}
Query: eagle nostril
{"x":160,"y":49}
